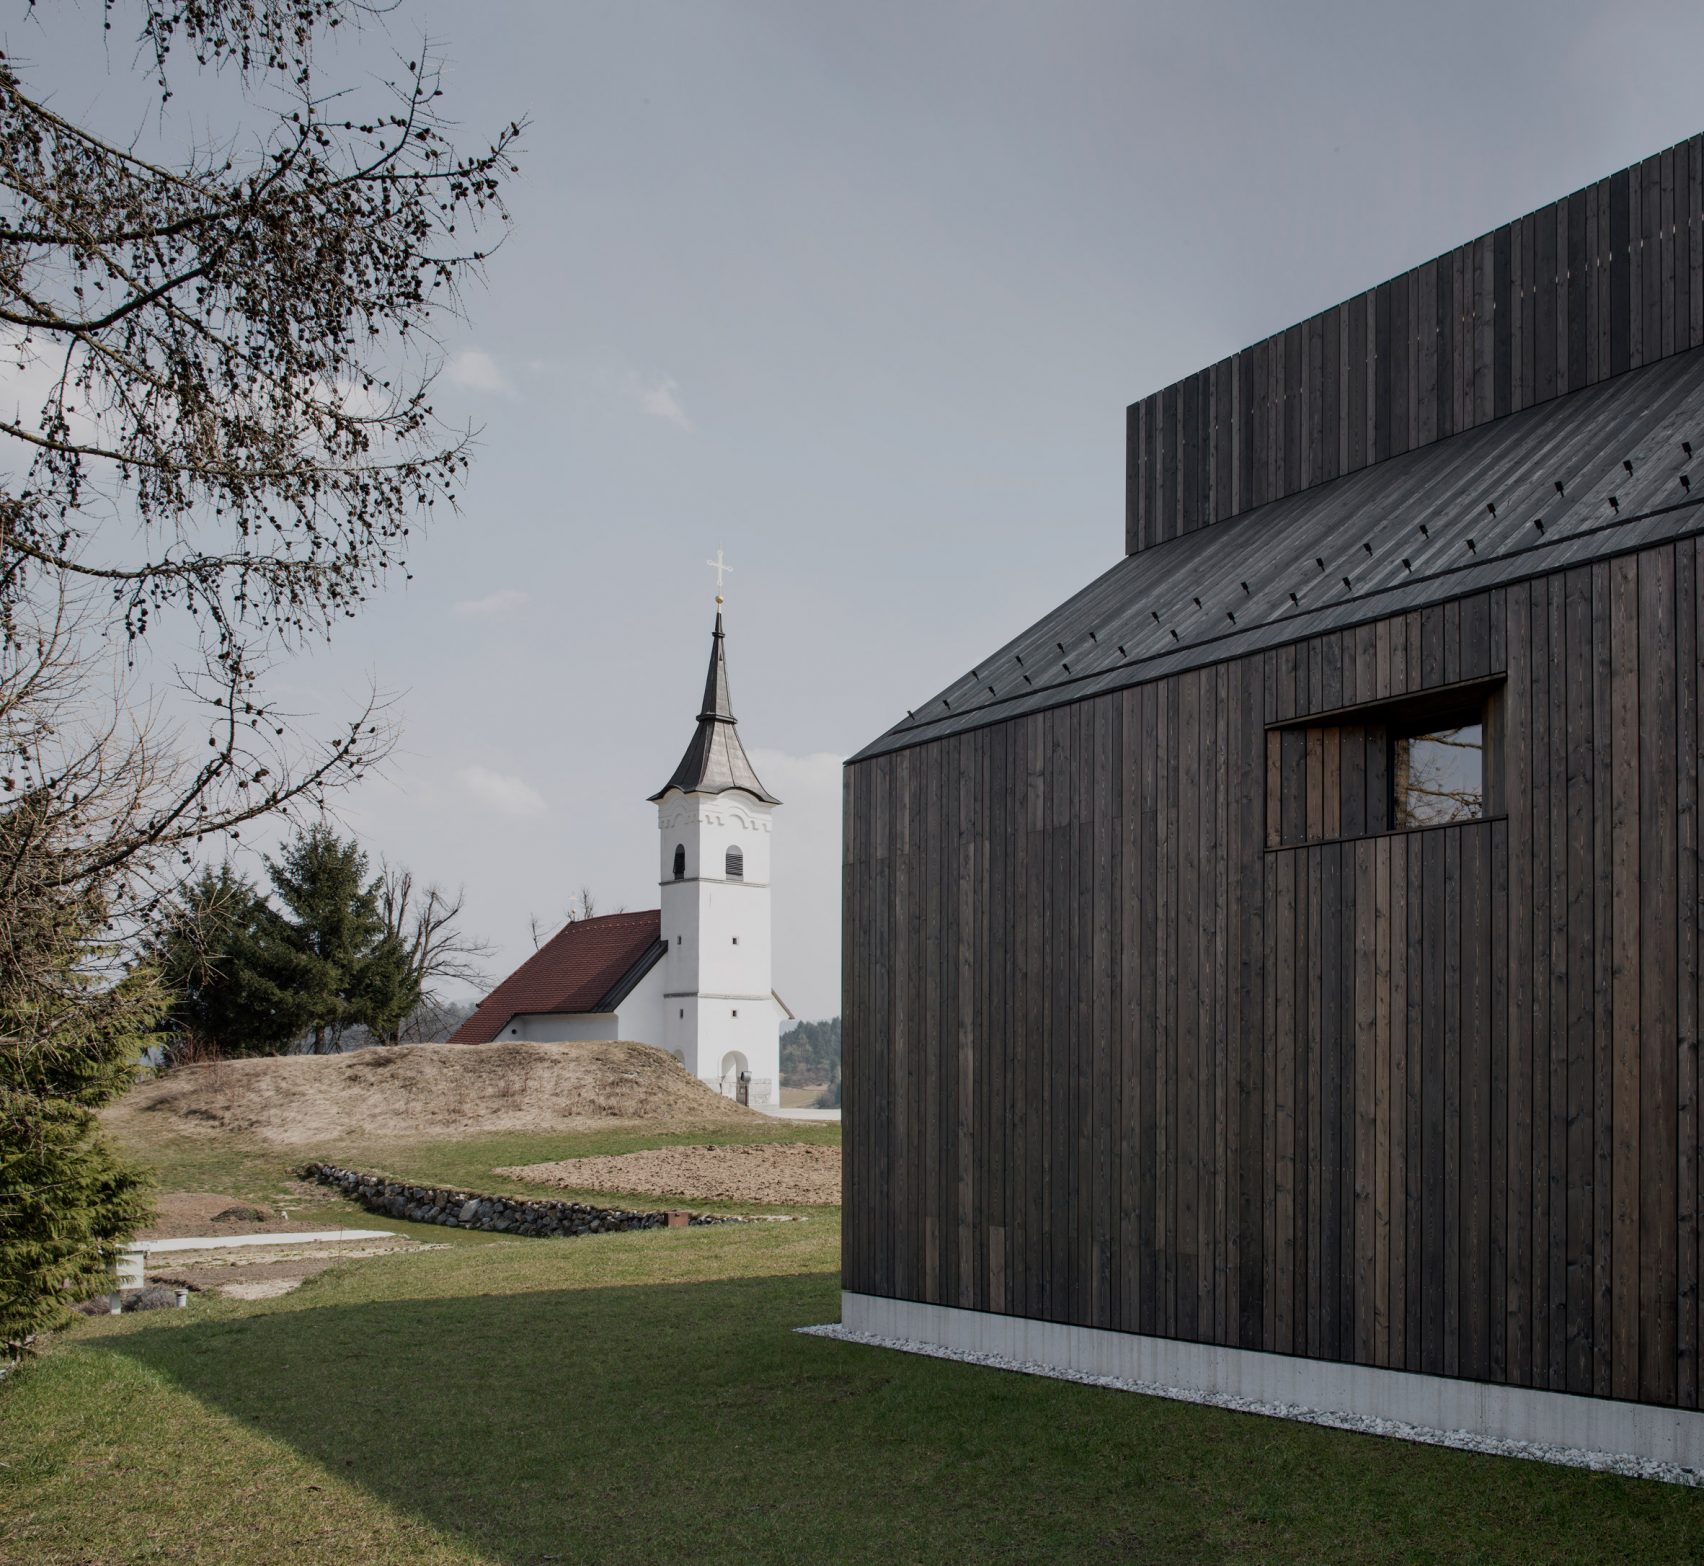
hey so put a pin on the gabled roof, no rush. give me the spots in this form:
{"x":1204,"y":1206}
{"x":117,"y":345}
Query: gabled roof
{"x":591,"y":965}
{"x":1592,"y":474}
{"x":715,"y":761}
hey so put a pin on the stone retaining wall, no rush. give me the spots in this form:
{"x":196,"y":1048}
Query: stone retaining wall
{"x":503,"y":1214}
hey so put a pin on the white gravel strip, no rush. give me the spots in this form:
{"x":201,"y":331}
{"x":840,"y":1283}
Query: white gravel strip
{"x":1361,"y":1424}
{"x":225,"y":1242}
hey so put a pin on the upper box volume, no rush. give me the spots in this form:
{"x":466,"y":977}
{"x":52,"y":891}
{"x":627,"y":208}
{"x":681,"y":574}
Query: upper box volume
{"x":1605,"y":280}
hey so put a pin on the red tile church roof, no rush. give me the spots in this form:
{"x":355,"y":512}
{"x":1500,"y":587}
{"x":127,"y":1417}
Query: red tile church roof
{"x":590,"y":965}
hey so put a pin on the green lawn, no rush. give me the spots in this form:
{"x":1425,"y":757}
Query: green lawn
{"x":641,"y":1397}
{"x":232,"y":1166}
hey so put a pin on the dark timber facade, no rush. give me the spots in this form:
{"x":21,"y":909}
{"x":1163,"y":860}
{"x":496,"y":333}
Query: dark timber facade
{"x":1157,"y":1018}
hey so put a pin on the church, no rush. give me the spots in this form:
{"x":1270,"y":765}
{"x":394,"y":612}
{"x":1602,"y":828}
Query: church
{"x":1279,"y":971}
{"x":692,"y":976}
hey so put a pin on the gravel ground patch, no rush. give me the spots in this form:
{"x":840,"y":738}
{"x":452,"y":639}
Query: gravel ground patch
{"x":273,"y":1270}
{"x":786,"y":1174}
{"x":1362,"y":1424}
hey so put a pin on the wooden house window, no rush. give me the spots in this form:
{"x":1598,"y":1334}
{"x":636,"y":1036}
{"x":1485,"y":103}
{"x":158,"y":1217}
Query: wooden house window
{"x":1438,"y":776}
{"x":1397,"y":765}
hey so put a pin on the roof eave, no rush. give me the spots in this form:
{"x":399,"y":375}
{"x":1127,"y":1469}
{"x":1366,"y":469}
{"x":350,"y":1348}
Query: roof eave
{"x":629,"y":981}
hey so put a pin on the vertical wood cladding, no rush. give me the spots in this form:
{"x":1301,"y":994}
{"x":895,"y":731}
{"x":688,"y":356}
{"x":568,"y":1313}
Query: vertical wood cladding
{"x":1605,"y":280}
{"x":1425,"y":1099}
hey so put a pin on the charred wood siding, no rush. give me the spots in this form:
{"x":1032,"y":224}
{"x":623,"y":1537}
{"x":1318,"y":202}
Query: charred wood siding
{"x":1421,"y":1099}
{"x":1605,"y":280}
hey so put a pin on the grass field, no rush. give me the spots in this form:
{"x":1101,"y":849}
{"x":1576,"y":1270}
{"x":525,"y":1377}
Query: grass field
{"x":235,"y":1167}
{"x":642,"y":1397}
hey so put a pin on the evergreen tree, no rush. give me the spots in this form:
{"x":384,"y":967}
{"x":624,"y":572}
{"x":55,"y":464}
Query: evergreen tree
{"x":810,"y":1053}
{"x":324,"y":959}
{"x":209,"y":955}
{"x":71,"y":1038}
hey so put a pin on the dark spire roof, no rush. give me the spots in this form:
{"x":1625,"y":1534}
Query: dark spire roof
{"x":715,"y":761}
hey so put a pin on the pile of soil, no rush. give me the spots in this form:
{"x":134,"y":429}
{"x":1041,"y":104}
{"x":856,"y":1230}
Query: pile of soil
{"x":180,"y":1215}
{"x":426,"y":1090}
{"x":785,"y":1173}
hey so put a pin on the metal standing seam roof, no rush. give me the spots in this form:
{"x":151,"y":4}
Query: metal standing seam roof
{"x":715,"y":760}
{"x":1596,"y":473}
{"x":591,"y":965}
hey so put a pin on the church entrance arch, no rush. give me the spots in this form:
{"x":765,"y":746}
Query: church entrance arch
{"x":736,"y":1076}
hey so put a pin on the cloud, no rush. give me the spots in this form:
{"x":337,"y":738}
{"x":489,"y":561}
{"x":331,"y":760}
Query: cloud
{"x":499,"y":602}
{"x":477,"y":371}
{"x":503,"y":792}
{"x":658,"y":399}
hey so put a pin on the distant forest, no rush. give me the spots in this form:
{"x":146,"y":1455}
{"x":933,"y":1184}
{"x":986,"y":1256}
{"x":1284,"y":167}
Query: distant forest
{"x":810,"y":1054}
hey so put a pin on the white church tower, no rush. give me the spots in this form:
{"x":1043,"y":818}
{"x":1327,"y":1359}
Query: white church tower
{"x":721,"y":1015}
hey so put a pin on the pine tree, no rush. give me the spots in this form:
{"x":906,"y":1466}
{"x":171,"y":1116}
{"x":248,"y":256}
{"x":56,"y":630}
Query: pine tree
{"x":71,"y":1038}
{"x":208,"y":954}
{"x":324,"y":960}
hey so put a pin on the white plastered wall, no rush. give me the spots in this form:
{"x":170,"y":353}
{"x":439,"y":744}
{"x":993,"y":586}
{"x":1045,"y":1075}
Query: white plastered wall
{"x":717,"y":974}
{"x":578,"y":1027}
{"x":638,"y":1020}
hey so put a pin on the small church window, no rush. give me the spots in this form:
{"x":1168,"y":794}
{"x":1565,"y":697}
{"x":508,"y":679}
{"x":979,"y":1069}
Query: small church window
{"x":736,"y":940}
{"x":736,"y":1011}
{"x":680,"y":862}
{"x":736,"y":865}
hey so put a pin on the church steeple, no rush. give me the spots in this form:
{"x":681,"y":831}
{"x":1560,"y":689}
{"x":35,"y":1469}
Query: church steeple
{"x":715,"y":760}
{"x":716,"y":700}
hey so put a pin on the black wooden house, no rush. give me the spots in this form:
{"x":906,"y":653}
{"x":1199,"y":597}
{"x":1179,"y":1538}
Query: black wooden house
{"x":1279,"y":968}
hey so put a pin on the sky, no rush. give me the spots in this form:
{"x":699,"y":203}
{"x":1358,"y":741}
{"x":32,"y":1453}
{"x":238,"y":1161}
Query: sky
{"x":859,"y":294}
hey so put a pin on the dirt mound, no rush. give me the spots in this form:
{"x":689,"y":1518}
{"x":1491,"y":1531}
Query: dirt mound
{"x":178,"y":1215}
{"x":781,"y":1172}
{"x":427,"y":1090}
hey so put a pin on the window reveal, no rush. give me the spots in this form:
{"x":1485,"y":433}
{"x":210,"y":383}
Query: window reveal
{"x":1422,"y":760}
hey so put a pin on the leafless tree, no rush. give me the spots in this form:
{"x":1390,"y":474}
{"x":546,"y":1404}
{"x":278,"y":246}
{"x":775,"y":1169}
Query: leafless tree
{"x":425,"y":922}
{"x":583,"y":906}
{"x":232,"y":354}
{"x":1436,"y":776}
{"x":219,"y":443}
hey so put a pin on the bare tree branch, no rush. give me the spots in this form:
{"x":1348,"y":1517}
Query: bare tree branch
{"x":425,"y":922}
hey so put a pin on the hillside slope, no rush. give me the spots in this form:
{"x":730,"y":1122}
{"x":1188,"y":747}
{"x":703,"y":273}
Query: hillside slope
{"x":426,"y":1090}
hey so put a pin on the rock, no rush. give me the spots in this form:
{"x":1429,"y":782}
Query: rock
{"x":502,"y":1214}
